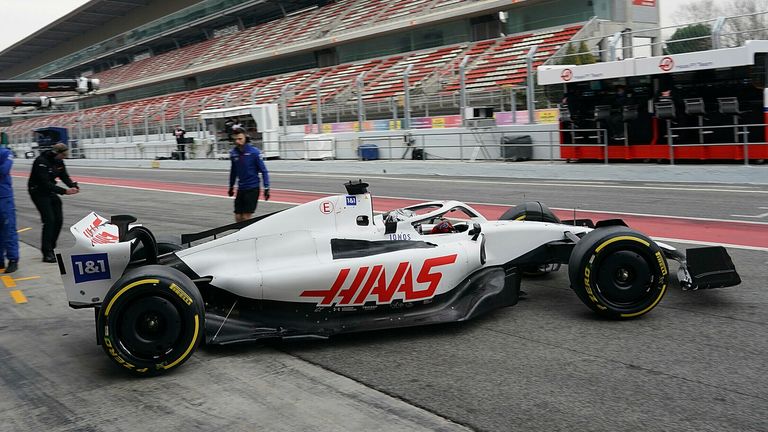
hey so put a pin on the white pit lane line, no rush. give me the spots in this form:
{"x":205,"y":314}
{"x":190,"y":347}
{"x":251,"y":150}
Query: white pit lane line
{"x":531,"y":182}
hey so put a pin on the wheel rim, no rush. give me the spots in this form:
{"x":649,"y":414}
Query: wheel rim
{"x":149,"y":327}
{"x":625,"y":278}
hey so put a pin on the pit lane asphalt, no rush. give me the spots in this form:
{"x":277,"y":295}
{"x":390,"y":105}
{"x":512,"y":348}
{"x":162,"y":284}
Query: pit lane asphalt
{"x":695,"y":363}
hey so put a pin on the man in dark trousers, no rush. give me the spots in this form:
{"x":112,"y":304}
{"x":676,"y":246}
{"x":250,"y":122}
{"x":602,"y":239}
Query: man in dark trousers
{"x":45,"y":194}
{"x":9,"y":238}
{"x":247,"y":163}
{"x":181,"y":142}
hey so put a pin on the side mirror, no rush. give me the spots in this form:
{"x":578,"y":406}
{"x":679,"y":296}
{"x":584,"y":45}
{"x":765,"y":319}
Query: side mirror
{"x":475,"y":231}
{"x":390,"y":227}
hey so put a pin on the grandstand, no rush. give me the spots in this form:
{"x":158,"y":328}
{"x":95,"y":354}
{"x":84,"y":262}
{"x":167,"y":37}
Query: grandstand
{"x":224,"y":53}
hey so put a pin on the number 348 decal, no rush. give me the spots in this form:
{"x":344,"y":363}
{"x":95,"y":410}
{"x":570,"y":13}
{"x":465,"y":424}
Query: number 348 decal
{"x":90,"y":267}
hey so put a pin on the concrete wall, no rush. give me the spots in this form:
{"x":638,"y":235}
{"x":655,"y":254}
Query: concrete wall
{"x":447,"y":144}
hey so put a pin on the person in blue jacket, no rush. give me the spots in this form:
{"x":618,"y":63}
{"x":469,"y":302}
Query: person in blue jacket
{"x":9,"y":238}
{"x":247,"y":163}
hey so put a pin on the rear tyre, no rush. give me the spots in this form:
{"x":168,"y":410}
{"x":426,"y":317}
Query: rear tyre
{"x":618,"y":272}
{"x":168,"y":243}
{"x":152,"y":320}
{"x":532,"y":211}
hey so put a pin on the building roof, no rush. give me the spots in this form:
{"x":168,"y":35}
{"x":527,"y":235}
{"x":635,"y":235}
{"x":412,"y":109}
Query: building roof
{"x":93,"y":14}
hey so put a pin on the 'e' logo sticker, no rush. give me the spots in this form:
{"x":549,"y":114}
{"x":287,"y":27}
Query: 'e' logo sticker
{"x":326,"y":207}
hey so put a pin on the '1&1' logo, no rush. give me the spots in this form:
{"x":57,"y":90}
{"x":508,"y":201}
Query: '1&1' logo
{"x":90,"y":267}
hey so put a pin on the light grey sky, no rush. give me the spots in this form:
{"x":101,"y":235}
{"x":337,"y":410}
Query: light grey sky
{"x":20,"y":18}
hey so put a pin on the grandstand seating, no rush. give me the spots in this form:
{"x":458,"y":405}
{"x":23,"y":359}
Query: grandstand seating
{"x":167,"y":62}
{"x":390,"y":83}
{"x":404,"y":7}
{"x":494,"y":63}
{"x":336,"y":18}
{"x":503,"y":63}
{"x":444,"y":3}
{"x":335,"y":80}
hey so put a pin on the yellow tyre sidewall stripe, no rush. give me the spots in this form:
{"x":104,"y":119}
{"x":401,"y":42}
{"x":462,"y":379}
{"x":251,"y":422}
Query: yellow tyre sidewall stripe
{"x":652,"y":305}
{"x":588,"y":270}
{"x":620,"y":238}
{"x":126,"y":288}
{"x":189,"y":348}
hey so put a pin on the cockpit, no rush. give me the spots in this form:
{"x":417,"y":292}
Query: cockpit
{"x":438,"y":217}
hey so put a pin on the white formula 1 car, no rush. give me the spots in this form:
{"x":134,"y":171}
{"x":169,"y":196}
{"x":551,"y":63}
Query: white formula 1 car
{"x":331,"y":266}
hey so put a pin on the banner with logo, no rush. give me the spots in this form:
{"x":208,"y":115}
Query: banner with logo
{"x":504,"y":118}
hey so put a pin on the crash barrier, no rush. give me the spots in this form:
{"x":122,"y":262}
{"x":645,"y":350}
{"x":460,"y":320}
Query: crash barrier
{"x":490,"y":144}
{"x":155,"y":149}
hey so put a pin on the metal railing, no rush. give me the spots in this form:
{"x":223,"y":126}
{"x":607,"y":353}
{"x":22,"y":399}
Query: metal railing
{"x":459,"y":145}
{"x":725,"y":32}
{"x":740,"y":131}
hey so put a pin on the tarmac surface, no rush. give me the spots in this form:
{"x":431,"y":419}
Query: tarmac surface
{"x":636,"y":172}
{"x":695,"y":363}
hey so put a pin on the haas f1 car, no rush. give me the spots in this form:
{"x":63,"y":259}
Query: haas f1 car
{"x":333,"y":266}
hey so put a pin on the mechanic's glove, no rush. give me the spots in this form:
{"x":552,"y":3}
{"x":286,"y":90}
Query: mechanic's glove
{"x":231,"y":191}
{"x":75,"y":185}
{"x":266,"y":194}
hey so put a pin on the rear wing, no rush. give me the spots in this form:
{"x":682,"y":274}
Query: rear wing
{"x":96,"y":261}
{"x":214,"y":232}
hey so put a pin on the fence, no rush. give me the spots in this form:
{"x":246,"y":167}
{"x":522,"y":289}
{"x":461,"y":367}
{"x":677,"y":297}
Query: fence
{"x":741,"y":137}
{"x":720,"y":32}
{"x":452,"y":144}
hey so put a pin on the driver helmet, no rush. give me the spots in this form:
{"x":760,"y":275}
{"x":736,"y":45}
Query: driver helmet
{"x":443,"y":227}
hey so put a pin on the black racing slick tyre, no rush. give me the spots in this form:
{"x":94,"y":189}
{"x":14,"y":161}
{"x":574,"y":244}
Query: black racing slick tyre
{"x":532,"y":211}
{"x":618,"y":272}
{"x":168,"y":243}
{"x":152,"y":320}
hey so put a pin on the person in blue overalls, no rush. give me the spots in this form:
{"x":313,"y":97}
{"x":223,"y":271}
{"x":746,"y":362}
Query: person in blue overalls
{"x":9,"y":238}
{"x":247,"y":163}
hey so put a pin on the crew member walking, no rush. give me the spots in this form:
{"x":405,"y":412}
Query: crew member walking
{"x":45,"y":194}
{"x":247,"y":163}
{"x":9,"y":238}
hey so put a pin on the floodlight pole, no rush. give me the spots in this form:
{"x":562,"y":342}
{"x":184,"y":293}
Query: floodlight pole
{"x":360,"y":107}
{"x":181,"y":113}
{"x":130,"y":124}
{"x":407,"y":107}
{"x":284,"y":99}
{"x":319,"y":106}
{"x":463,"y":89}
{"x":530,"y":84}
{"x":717,"y":31}
{"x":612,"y":43}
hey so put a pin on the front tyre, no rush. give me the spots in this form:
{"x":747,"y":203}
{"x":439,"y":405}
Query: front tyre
{"x":151,"y":321}
{"x":618,"y":272}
